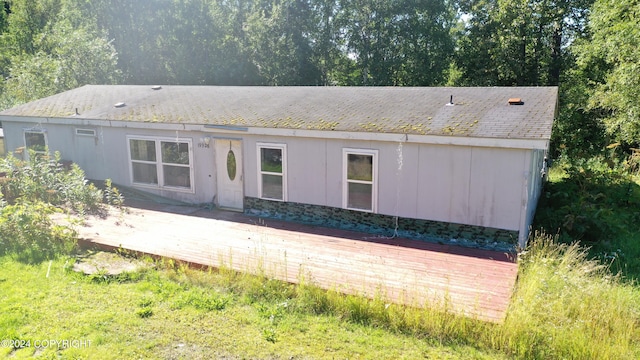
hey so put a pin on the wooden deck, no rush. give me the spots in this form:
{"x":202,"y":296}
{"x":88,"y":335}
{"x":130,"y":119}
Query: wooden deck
{"x":471,"y":282}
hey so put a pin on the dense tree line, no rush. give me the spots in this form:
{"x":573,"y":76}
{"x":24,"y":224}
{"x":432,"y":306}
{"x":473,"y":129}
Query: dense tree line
{"x":589,"y":48}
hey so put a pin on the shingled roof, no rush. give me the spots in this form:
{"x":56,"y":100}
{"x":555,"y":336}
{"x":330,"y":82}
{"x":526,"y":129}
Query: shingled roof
{"x":482,"y":112}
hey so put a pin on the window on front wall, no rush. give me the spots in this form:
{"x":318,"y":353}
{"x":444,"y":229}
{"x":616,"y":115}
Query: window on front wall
{"x":161,"y":163}
{"x":175,"y":164}
{"x":360,"y":179}
{"x":35,"y":141}
{"x":272,"y":171}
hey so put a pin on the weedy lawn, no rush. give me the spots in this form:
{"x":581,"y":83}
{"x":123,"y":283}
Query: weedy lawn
{"x":177,"y":312}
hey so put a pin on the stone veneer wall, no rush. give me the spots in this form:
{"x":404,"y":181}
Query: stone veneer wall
{"x":384,"y":225}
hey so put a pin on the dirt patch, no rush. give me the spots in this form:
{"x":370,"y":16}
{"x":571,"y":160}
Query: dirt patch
{"x":92,"y":262}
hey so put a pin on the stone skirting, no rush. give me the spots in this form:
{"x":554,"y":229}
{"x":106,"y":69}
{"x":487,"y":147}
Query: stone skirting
{"x":384,"y":225}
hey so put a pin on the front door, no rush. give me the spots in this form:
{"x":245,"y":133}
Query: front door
{"x":229,"y":170}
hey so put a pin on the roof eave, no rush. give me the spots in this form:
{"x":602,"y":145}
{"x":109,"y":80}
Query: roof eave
{"x":513,"y":143}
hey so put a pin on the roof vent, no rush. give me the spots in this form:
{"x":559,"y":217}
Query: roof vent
{"x":450,"y":103}
{"x":157,"y":87}
{"x":119,"y":105}
{"x":516,"y":101}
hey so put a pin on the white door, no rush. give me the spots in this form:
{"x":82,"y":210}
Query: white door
{"x":229,"y":170}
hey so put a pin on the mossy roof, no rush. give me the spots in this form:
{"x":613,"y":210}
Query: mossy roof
{"x":476,"y":111}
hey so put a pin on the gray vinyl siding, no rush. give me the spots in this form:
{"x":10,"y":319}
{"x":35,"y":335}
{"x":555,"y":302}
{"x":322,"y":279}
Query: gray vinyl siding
{"x":457,"y":184}
{"x":106,"y":155}
{"x":467,"y":185}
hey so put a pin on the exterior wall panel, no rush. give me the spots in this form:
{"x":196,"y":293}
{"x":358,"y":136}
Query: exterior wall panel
{"x":497,"y":180}
{"x":534,"y":185}
{"x":106,"y":156}
{"x":444,"y":183}
{"x":307,"y":165}
{"x":397,"y":184}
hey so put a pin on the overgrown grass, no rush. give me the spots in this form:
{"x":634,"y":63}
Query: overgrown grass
{"x":178,"y":312}
{"x":28,"y":233}
{"x":569,"y":306}
{"x":44,"y":178}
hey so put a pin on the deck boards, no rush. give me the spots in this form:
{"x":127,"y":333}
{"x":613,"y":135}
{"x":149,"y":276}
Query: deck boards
{"x":473,"y":282}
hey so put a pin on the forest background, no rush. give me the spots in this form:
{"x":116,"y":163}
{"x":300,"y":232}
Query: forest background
{"x":590,"y":49}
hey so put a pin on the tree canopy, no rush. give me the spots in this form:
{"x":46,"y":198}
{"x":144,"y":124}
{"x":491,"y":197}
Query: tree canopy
{"x":589,"y":48}
{"x":610,"y":61}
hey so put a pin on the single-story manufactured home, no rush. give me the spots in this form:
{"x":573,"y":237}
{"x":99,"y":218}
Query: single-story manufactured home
{"x":455,"y":165}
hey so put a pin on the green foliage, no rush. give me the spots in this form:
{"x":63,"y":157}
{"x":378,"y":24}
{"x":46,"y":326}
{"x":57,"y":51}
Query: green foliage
{"x":144,"y":312}
{"x":46,"y":178}
{"x":27,"y":231}
{"x":51,"y":47}
{"x":610,"y":60}
{"x":569,"y":307}
{"x":31,"y":192}
{"x":144,"y":308}
{"x":283,"y":52}
{"x":594,"y":201}
{"x":112,"y":195}
{"x":578,"y":133}
{"x":201,"y":299}
{"x":525,"y":42}
{"x":393,"y":44}
{"x":269,"y":289}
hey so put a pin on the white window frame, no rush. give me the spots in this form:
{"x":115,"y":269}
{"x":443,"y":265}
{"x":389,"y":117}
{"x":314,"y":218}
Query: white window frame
{"x":159,"y":164}
{"x":35,"y":131}
{"x":374,"y":178}
{"x":85,"y":132}
{"x":283,"y":148}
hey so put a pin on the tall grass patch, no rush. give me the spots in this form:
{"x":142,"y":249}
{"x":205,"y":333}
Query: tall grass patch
{"x":568,"y":306}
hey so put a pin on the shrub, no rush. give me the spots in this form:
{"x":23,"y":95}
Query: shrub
{"x":27,"y":230}
{"x":590,"y":203}
{"x":30,"y":192}
{"x":47,"y":179}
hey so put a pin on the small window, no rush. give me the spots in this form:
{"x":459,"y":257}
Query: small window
{"x":161,"y":163}
{"x":86,"y":132}
{"x":272,"y":182}
{"x":360,"y":179}
{"x":35,"y":141}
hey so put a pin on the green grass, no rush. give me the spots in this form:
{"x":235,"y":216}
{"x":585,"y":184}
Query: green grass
{"x":184,"y":313}
{"x":569,"y":306}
